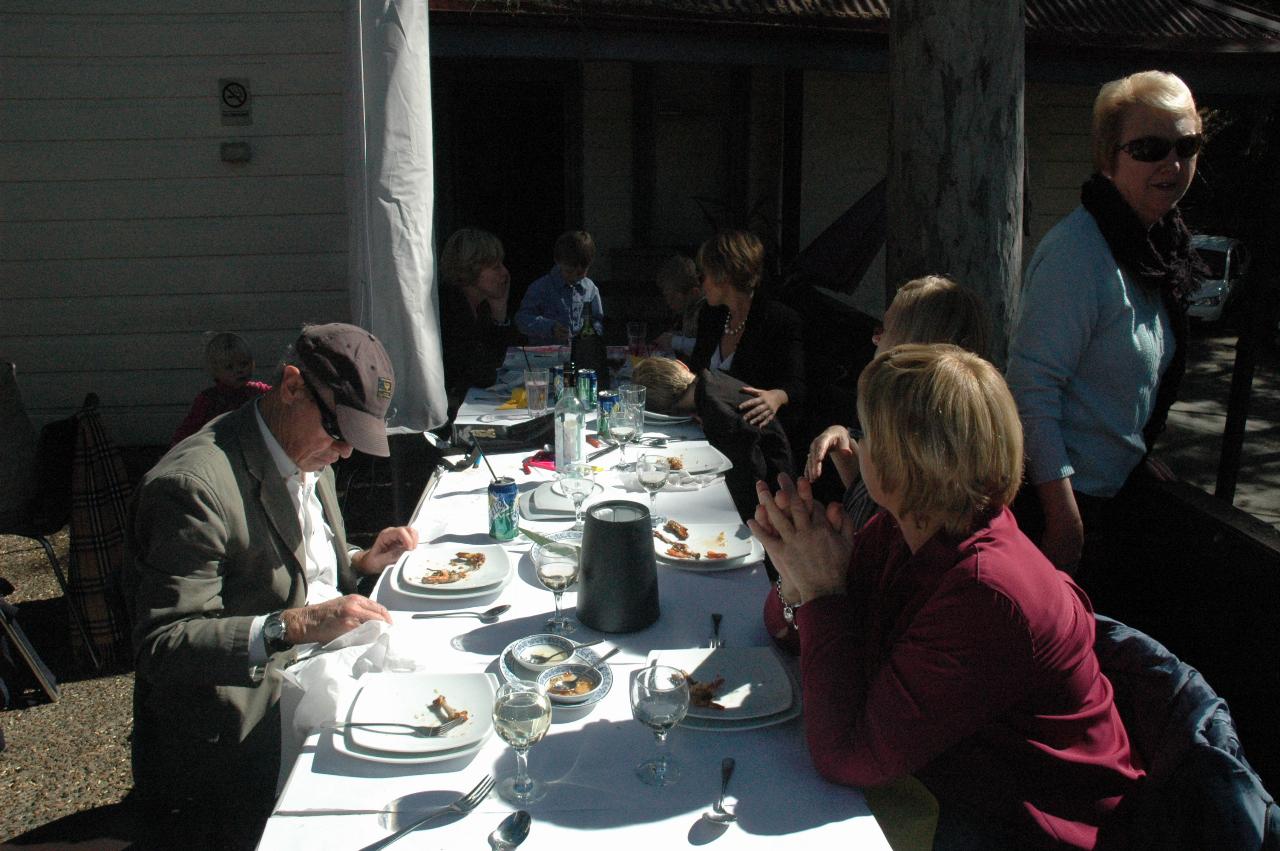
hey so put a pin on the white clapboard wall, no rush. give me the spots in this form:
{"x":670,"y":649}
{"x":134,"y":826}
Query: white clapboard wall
{"x":123,"y":235}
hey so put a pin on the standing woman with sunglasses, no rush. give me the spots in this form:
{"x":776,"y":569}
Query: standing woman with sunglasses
{"x":1099,"y":350}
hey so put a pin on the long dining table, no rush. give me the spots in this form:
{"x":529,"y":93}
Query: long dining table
{"x":585,"y":763}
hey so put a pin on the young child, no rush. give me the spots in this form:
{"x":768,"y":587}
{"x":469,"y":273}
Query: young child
{"x":230,"y":364}
{"x":682,"y":291}
{"x":556,"y":305}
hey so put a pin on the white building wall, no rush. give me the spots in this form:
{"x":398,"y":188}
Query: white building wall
{"x":123,"y":237}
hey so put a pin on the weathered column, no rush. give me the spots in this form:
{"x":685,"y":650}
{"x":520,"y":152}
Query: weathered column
{"x":956,"y":148}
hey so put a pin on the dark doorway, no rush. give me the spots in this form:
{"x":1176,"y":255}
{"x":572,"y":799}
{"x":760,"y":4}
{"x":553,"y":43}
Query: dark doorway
{"x":503,"y":132}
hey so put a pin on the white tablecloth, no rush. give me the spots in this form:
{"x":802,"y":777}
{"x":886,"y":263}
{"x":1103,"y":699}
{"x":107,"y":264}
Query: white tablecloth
{"x":586,"y":761}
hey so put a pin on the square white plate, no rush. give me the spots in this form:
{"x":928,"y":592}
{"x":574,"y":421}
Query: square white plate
{"x":755,"y":682}
{"x":406,"y":699}
{"x":420,"y":562}
{"x":696,"y":459}
{"x":734,"y":542}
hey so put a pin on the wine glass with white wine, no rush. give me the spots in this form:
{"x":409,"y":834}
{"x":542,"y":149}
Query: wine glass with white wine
{"x":556,"y":566}
{"x":521,"y":716}
{"x":652,"y":471}
{"x":659,"y":700}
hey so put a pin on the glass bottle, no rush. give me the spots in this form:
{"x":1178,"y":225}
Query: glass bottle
{"x":571,"y":422}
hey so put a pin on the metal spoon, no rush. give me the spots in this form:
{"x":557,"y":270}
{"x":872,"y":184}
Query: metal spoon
{"x":511,"y":832}
{"x":487,"y":616}
{"x":718,"y":813}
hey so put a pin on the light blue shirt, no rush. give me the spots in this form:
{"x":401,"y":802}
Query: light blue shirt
{"x":551,"y":300}
{"x":1085,"y":360}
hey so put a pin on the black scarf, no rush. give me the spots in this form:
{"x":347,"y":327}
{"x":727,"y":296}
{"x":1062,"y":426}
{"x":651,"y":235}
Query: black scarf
{"x":1160,"y":259}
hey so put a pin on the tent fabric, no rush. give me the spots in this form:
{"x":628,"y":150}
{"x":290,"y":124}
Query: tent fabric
{"x":390,"y":198}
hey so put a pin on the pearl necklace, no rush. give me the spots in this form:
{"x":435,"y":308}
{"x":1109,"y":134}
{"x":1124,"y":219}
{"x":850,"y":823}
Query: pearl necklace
{"x":737,"y":329}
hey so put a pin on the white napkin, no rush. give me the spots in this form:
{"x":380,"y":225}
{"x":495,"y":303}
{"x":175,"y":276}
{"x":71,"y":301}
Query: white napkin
{"x":318,"y":690}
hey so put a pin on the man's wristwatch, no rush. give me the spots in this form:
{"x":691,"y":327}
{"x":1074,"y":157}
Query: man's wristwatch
{"x":273,"y":631}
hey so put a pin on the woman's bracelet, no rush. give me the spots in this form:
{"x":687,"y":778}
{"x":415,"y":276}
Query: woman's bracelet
{"x":788,"y":610}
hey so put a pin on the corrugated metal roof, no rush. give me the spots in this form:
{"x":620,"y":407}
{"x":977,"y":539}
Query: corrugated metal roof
{"x":1191,"y":25}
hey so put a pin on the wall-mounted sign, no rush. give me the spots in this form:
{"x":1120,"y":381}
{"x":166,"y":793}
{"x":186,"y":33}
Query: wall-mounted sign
{"x":233,"y":97}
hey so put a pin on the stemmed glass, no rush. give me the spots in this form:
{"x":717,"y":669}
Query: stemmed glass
{"x":659,"y":700}
{"x":521,"y":716}
{"x":557,"y":568}
{"x":576,"y":480}
{"x":624,"y":428}
{"x":652,"y":471}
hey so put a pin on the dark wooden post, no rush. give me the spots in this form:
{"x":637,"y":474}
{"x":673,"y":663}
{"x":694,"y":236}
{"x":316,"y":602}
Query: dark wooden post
{"x":956,"y":148}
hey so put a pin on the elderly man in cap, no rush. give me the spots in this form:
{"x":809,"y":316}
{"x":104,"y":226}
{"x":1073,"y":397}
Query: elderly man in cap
{"x":238,"y":553}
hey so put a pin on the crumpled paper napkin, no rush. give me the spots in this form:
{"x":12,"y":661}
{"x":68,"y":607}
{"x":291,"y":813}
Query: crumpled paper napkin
{"x":318,"y":690}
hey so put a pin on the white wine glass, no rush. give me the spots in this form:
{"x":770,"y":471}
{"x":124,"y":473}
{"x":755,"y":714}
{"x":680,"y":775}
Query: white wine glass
{"x":659,"y":700}
{"x":652,"y":471}
{"x":556,"y":566}
{"x":521,"y":716}
{"x":577,"y":480}
{"x":624,"y":427}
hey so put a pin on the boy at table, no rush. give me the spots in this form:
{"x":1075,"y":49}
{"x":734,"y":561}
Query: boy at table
{"x":556,"y":305}
{"x":939,"y":641}
{"x":237,"y":553}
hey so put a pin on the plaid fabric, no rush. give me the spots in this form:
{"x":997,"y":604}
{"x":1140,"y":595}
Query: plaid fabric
{"x":100,"y":492}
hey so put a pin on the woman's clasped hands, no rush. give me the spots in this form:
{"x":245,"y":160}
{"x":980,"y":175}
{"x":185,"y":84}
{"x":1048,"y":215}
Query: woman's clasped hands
{"x":809,"y":544}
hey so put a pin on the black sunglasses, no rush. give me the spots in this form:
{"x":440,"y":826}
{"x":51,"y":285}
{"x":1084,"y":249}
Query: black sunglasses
{"x":1152,"y":149}
{"x":328,"y":419}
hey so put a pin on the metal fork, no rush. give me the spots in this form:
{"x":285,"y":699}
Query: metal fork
{"x":461,"y":807}
{"x":420,"y":730}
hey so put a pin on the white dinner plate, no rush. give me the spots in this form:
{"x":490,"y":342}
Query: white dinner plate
{"x":406,"y":699}
{"x":343,"y":745}
{"x":418,"y":563}
{"x":512,"y":670}
{"x":756,"y":684}
{"x":697,"y":459}
{"x":666,"y":419}
{"x":428,"y":593}
{"x":734,"y":541}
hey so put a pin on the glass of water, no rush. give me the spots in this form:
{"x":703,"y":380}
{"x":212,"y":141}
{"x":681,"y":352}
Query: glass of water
{"x":652,"y":471}
{"x":536,"y":382}
{"x":521,"y":716}
{"x":659,"y":700}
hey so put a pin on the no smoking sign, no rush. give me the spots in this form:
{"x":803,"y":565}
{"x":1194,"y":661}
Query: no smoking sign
{"x":233,"y":98}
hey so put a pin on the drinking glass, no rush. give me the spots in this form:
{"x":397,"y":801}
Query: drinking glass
{"x":637,"y":339}
{"x":659,"y":700}
{"x":536,"y":382}
{"x":556,"y":566}
{"x":521,"y":716}
{"x":577,"y":482}
{"x":652,"y":471}
{"x":625,"y":422}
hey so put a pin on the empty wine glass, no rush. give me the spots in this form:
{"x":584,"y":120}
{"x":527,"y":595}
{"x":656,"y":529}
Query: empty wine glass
{"x":577,"y":482}
{"x":557,"y":568}
{"x":652,"y":471}
{"x":659,"y":700}
{"x":521,"y":716}
{"x":624,"y":428}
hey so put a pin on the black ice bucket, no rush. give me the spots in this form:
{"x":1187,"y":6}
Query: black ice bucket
{"x":618,"y":579}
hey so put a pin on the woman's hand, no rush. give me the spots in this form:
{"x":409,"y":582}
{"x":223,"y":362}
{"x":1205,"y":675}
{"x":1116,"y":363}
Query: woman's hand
{"x":1063,"y":538}
{"x":764,"y":405}
{"x":810,"y":546}
{"x":833,"y":441}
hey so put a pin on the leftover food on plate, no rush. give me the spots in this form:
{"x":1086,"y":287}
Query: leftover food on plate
{"x":459,"y":566}
{"x":675,"y":463}
{"x":704,"y":693}
{"x":446,"y":712}
{"x":569,"y":684}
{"x":677,"y":529}
{"x":679,"y":549}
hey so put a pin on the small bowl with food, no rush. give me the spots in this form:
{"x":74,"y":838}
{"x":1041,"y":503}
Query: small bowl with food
{"x":571,"y":683}
{"x":543,"y":651}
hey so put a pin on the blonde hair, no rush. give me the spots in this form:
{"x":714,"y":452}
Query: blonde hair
{"x":1155,"y":89}
{"x":221,"y":346}
{"x":678,"y":275}
{"x":935,"y":309}
{"x":943,"y":432}
{"x":467,"y":253}
{"x":666,"y":380}
{"x":735,"y":257}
